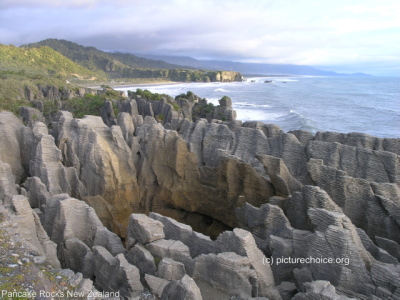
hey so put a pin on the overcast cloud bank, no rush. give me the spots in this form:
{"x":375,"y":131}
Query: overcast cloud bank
{"x":344,"y":36}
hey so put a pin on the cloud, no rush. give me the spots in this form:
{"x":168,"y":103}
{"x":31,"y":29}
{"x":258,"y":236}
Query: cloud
{"x":299,"y":32}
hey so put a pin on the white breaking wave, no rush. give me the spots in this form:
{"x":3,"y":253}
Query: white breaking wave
{"x":238,"y":104}
{"x":256,"y":115}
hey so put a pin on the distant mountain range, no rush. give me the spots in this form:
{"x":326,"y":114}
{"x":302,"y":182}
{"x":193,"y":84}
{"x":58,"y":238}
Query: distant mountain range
{"x":246,"y":68}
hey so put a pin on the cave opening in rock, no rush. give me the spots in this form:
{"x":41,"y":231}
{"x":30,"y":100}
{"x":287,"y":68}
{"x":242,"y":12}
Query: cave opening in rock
{"x":199,"y":222}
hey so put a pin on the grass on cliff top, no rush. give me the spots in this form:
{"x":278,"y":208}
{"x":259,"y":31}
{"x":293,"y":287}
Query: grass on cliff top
{"x":43,"y":60}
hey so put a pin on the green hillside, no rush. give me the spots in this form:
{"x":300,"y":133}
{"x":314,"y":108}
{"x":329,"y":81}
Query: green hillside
{"x":96,"y":60}
{"x":25,"y":68}
{"x":44,"y":61}
{"x":125,"y":67}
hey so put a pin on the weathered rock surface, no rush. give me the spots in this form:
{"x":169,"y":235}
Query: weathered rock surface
{"x":171,"y":270}
{"x":242,"y":243}
{"x":227,"y":271}
{"x":125,"y":277}
{"x":103,"y":161}
{"x":377,"y":166}
{"x":31,"y":230}
{"x":11,"y":143}
{"x":7,"y":184}
{"x":197,"y":242}
{"x":319,"y":290}
{"x":156,"y":284}
{"x":142,"y":259}
{"x":184,"y":289}
{"x":371,"y":206}
{"x":144,"y":230}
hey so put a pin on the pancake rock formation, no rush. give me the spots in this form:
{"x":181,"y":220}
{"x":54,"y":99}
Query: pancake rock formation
{"x":198,"y":205}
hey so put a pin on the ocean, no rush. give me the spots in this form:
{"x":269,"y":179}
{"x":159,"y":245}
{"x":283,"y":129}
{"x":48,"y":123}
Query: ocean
{"x":342,"y":104}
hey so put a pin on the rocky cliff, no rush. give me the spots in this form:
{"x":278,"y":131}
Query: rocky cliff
{"x":192,"y":209}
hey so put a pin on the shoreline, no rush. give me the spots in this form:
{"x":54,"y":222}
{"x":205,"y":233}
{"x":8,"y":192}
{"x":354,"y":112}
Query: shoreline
{"x":98,"y":87}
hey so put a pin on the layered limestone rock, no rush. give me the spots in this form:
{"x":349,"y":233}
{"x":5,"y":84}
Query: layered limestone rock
{"x":7,"y":184}
{"x":125,"y":277}
{"x":31,"y":230}
{"x":376,"y":166}
{"x":371,"y":206}
{"x":173,"y":178}
{"x":104,"y":163}
{"x":361,"y":140}
{"x":11,"y":138}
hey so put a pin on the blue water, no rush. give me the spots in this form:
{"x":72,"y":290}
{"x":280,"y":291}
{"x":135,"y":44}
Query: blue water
{"x":342,"y":104}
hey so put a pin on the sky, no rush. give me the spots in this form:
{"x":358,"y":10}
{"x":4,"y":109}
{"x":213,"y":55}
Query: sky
{"x":344,"y":36}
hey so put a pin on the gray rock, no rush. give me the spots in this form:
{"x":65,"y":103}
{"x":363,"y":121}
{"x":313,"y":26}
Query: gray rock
{"x":304,"y":137}
{"x":387,"y":278}
{"x":67,"y":218}
{"x":104,"y":163}
{"x":31,"y":230}
{"x":376,"y":252}
{"x":224,"y":110}
{"x":390,"y":246}
{"x":11,"y":143}
{"x":156,"y":284}
{"x":184,"y":289}
{"x":378,"y":166}
{"x":197,"y":242}
{"x":270,"y":130}
{"x":108,"y":240}
{"x":296,"y":206}
{"x":38,"y":194}
{"x":142,"y":259}
{"x":74,"y":253}
{"x":172,"y":249}
{"x":125,"y":121}
{"x":282,"y":180}
{"x":287,"y":290}
{"x":107,"y":113}
{"x":46,"y":162}
{"x":128,"y":106}
{"x":171,"y":270}
{"x":319,"y":290}
{"x":144,"y":230}
{"x":264,"y":222}
{"x":30,"y":115}
{"x":115,"y":273}
{"x":227,"y":271}
{"x":242,"y":243}
{"x":7,"y":184}
{"x":128,"y":278}
{"x":371,"y":206}
{"x":361,"y":140}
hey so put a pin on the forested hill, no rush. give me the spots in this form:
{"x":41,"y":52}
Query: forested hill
{"x":95,"y":59}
